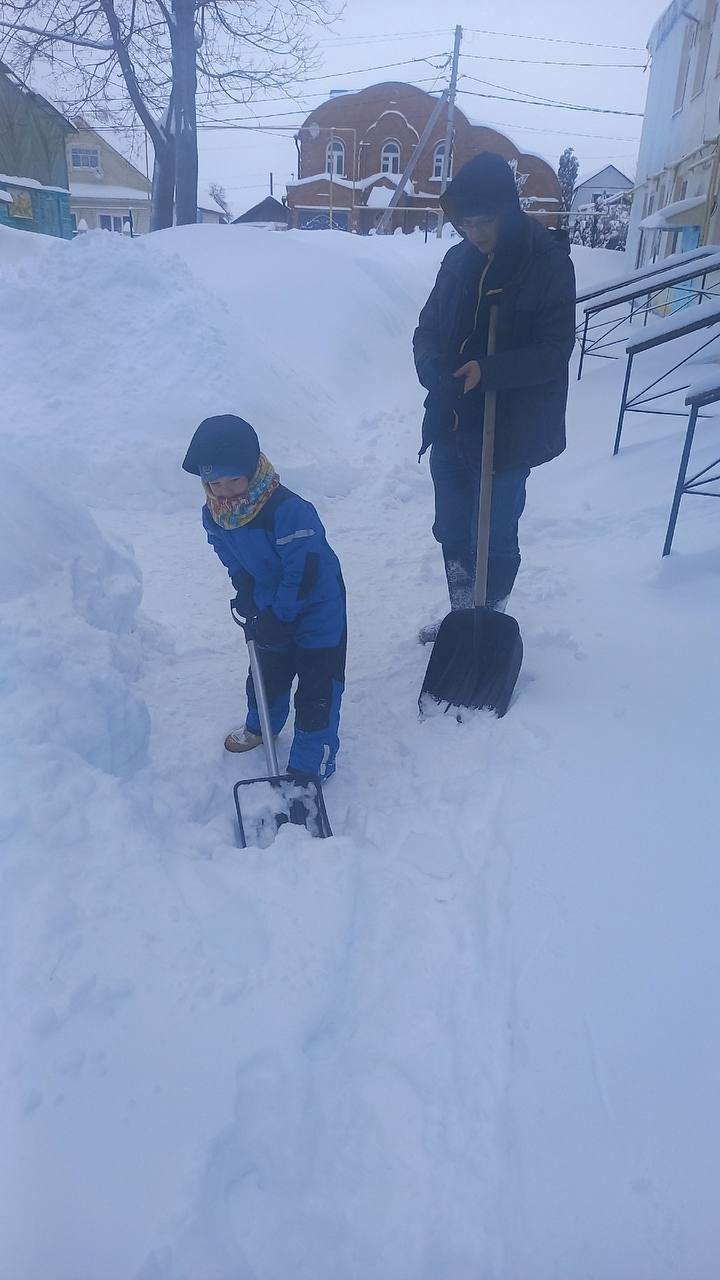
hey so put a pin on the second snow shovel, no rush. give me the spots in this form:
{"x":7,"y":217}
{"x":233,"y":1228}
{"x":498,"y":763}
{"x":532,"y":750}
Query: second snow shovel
{"x":476,"y":658}
{"x":279,"y":798}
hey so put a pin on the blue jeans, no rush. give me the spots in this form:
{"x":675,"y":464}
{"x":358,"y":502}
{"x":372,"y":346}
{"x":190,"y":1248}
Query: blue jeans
{"x":455,"y":469}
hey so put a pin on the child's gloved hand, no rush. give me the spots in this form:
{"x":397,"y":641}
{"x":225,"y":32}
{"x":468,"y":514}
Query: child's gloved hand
{"x":269,"y":630}
{"x":244,"y":604}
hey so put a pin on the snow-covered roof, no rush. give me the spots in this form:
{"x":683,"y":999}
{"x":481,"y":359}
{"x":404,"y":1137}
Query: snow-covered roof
{"x":101,"y":192}
{"x":587,"y":179}
{"x":672,"y":214}
{"x":379,"y":197}
{"x":360,"y":184}
{"x":16,"y":181}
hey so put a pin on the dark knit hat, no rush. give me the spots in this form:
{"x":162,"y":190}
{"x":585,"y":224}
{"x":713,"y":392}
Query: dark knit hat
{"x":223,"y":446}
{"x":485,"y":185}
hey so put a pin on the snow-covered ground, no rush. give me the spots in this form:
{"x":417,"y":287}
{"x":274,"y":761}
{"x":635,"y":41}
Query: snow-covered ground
{"x":477,"y":1033}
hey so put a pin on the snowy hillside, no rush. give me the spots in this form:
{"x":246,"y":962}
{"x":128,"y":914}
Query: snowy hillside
{"x":476,"y":1034}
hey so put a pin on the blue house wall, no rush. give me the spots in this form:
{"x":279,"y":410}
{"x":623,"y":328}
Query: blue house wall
{"x":50,"y":211}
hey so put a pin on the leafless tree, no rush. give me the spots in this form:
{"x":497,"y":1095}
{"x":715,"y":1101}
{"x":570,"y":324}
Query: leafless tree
{"x":161,"y":61}
{"x":219,"y":195}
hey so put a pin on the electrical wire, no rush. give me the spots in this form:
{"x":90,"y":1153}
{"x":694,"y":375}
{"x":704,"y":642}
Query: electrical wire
{"x":530,"y":101}
{"x":304,"y":111}
{"x":334,"y":75}
{"x":383,"y":39}
{"x":545,"y":62}
{"x":519,"y":35}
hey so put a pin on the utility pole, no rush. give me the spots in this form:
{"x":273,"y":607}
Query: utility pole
{"x":387,"y":214}
{"x":449,"y":130}
{"x":332,"y":168}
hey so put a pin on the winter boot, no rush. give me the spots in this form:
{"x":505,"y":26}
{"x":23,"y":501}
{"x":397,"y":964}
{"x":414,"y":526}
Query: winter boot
{"x":428,"y":633}
{"x":242,"y":740}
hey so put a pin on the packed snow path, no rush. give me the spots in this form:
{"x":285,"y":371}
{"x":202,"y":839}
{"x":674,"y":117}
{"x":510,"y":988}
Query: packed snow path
{"x":475,"y":1034}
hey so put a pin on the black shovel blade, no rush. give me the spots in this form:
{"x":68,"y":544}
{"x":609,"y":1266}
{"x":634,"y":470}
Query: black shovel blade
{"x":275,"y":802}
{"x":475,"y":661}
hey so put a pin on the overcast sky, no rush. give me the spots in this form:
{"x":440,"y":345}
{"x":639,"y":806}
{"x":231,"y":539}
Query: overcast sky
{"x":375,"y":32}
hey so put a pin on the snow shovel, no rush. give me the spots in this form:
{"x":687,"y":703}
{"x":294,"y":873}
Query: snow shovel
{"x":278,"y":798}
{"x":477,"y":655}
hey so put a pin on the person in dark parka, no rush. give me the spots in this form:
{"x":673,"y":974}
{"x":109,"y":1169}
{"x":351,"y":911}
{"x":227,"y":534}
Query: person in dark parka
{"x":287,"y":579}
{"x":509,"y":259}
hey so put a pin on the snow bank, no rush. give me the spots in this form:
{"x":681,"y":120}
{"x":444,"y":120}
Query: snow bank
{"x":474,"y":1035}
{"x":68,"y":600}
{"x":157,"y":334}
{"x":17,"y":246}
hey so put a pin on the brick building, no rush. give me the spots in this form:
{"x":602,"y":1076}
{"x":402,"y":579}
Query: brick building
{"x":353,"y":149}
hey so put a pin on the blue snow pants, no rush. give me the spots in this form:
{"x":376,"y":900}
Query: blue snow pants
{"x":315,"y":654}
{"x":455,"y":470}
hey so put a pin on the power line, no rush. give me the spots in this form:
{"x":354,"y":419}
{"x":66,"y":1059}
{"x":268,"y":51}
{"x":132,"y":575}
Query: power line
{"x":561,"y":133}
{"x":383,"y":39}
{"x":303,"y":111}
{"x":519,"y":35}
{"x":544,"y":62}
{"x":383,"y":66}
{"x":529,"y":101}
{"x":334,"y":75}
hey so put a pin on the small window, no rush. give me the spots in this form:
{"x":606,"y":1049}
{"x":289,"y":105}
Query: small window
{"x":704,"y":40}
{"x":335,"y":158}
{"x":73,"y":221}
{"x":438,"y":154}
{"x":21,"y":206}
{"x":111,"y":222}
{"x":684,"y":68}
{"x":85,"y":158}
{"x":390,"y":157}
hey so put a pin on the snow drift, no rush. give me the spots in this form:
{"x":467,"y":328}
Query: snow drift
{"x":475,"y":1034}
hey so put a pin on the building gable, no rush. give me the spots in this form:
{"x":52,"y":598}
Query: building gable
{"x":373,"y":134}
{"x":112,"y":169}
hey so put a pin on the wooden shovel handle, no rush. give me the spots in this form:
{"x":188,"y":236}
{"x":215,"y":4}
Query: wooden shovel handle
{"x":486,"y":475}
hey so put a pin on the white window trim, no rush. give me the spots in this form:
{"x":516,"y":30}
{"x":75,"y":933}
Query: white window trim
{"x":86,"y":168}
{"x":393,"y":154}
{"x":110,"y":213}
{"x":335,"y":149}
{"x":438,"y":177}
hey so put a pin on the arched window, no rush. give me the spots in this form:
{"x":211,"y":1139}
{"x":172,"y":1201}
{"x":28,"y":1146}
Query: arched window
{"x":438,"y":154}
{"x":335,"y":158}
{"x":390,"y":157}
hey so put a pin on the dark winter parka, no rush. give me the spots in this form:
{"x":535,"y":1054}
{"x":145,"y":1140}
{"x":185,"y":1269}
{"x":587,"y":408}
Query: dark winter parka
{"x":531,"y":279}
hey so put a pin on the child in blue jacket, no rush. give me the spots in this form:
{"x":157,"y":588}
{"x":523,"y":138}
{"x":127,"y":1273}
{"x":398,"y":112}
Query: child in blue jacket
{"x":287,"y":579}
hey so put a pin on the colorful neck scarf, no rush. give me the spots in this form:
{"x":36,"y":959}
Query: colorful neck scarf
{"x":232,"y":513}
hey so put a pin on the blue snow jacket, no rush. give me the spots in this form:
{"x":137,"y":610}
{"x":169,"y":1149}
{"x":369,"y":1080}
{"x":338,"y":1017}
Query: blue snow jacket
{"x":282,"y":560}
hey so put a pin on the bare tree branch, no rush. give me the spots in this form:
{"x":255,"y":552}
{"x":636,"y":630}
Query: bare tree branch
{"x":157,"y":60}
{"x":58,"y":35}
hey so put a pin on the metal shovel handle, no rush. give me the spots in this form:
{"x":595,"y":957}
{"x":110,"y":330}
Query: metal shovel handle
{"x":260,"y":694}
{"x":486,"y":475}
